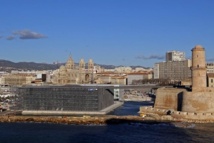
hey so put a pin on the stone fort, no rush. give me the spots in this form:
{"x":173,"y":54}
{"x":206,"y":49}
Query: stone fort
{"x":199,"y":100}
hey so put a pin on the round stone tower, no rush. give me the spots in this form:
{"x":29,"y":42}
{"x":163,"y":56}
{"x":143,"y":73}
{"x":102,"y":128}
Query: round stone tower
{"x":198,"y":68}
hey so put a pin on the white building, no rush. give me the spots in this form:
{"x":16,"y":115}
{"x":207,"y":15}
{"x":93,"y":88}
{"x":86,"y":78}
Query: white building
{"x":123,"y":70}
{"x":210,"y":67}
{"x":175,"y":56}
{"x":156,"y":71}
{"x":118,"y":92}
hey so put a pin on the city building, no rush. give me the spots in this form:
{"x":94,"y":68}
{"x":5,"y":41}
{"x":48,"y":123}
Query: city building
{"x":210,"y":79}
{"x":17,"y":79}
{"x":173,"y":70}
{"x":175,"y":56}
{"x":210,"y":67}
{"x":132,"y":77}
{"x":72,"y":74}
{"x":156,"y":71}
{"x":111,"y":78}
{"x":123,"y":70}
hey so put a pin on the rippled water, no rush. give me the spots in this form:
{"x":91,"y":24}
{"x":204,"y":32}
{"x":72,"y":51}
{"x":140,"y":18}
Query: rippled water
{"x":122,"y":133}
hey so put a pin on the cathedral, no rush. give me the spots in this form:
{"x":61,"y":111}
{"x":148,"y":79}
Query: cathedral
{"x":74,"y":74}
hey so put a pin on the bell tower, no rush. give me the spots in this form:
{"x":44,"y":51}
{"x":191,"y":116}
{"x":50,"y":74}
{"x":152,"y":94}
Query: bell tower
{"x":198,"y":68}
{"x":81,"y":64}
{"x":90,"y":64}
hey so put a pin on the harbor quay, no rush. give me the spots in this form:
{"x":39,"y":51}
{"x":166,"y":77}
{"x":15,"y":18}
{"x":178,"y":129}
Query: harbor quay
{"x":73,"y":113}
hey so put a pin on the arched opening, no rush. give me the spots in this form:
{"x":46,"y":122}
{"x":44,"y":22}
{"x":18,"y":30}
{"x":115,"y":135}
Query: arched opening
{"x":87,"y":77}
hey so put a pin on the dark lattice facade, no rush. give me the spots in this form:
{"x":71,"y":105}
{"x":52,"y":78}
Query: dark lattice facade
{"x":65,"y":98}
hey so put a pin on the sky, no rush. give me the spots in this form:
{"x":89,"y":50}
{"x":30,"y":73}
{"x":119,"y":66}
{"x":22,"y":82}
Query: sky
{"x":111,"y":32}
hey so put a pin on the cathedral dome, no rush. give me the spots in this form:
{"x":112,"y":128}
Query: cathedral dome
{"x":70,"y":63}
{"x":62,"y":69}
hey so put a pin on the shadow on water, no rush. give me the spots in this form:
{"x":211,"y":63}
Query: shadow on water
{"x":130,"y":132}
{"x":111,"y":133}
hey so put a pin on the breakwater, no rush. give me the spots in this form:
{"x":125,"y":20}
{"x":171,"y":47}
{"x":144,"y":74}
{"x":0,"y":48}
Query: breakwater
{"x":84,"y":120}
{"x":97,"y":120}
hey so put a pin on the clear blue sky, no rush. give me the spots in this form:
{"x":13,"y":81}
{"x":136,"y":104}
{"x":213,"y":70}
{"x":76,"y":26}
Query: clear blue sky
{"x":117,"y":32}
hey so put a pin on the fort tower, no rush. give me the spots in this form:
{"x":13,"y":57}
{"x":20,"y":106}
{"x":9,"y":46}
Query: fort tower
{"x":198,"y":68}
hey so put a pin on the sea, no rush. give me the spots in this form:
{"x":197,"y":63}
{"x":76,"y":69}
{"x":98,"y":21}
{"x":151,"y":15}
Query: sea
{"x":118,"y":133}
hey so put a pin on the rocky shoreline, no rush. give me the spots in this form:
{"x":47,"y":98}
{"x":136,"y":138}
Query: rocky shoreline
{"x":97,"y":120}
{"x":84,"y":120}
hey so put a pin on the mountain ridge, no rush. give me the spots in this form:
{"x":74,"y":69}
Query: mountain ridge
{"x":6,"y":65}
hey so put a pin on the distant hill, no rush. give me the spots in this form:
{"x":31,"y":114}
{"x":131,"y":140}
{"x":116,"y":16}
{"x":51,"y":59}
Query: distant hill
{"x":6,"y":65}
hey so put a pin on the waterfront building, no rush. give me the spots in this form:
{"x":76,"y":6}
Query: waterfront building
{"x":65,"y":98}
{"x":175,"y":56}
{"x":72,"y":74}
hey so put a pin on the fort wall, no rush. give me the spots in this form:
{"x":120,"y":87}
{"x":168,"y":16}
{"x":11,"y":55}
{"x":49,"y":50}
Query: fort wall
{"x":167,"y":98}
{"x":177,"y":115}
{"x":198,"y":101}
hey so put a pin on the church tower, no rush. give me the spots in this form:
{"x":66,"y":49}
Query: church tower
{"x":81,"y":64}
{"x":198,"y":68}
{"x":90,"y":64}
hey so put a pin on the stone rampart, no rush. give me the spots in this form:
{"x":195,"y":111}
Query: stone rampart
{"x":168,"y":98}
{"x":178,"y":115}
{"x":200,"y":102}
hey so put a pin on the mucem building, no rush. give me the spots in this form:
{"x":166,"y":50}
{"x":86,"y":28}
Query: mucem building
{"x":65,"y":98}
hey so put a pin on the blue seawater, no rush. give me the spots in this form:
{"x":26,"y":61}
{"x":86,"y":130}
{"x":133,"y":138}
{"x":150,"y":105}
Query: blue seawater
{"x":121,"y":133}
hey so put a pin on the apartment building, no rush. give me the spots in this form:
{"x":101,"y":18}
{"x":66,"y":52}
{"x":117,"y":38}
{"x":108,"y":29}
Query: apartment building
{"x":210,"y":79}
{"x":210,"y":67}
{"x":175,"y":56}
{"x":173,"y":70}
